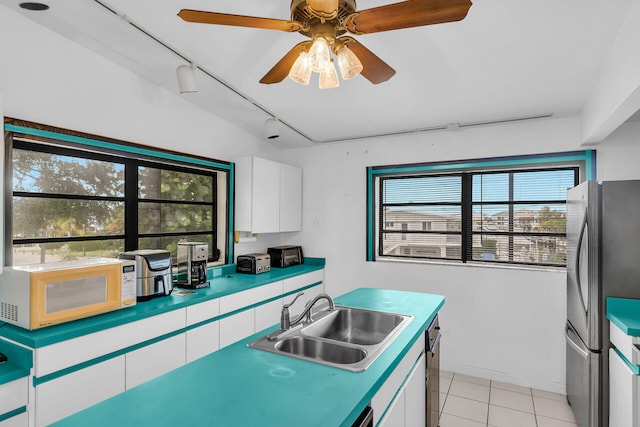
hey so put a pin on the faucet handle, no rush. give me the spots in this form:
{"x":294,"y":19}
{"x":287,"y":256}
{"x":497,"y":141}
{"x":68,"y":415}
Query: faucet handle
{"x":294,"y":300}
{"x":285,"y":319}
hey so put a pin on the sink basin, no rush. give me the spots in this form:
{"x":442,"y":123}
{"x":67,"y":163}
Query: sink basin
{"x":355,"y":325}
{"x":347,"y":337}
{"x":320,"y":350}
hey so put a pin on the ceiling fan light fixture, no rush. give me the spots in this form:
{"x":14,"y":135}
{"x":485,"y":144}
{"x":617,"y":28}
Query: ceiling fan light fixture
{"x":301,"y":70}
{"x":319,"y":54}
{"x":349,"y":64}
{"x":329,"y":77}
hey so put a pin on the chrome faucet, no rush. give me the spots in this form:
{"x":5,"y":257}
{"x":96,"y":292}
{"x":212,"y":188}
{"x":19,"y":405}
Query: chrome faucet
{"x":285,"y":318}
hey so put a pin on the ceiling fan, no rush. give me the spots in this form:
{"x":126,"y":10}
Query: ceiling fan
{"x":325,"y":22}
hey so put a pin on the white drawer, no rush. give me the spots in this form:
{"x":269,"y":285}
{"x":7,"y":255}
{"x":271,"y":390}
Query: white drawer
{"x":622,"y":341}
{"x":249,"y":297}
{"x":78,"y":390}
{"x":203,"y":311}
{"x":303,"y":280}
{"x":154,"y":360}
{"x":203,"y":340}
{"x":13,"y":395}
{"x":68,"y":353}
{"x":20,"y":420}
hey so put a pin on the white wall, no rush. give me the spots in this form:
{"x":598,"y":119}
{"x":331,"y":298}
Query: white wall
{"x":500,"y":323}
{"x":46,"y":78}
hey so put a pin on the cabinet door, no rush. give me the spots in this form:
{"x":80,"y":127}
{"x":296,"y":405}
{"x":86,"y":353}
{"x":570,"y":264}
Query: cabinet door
{"x":236,"y":327}
{"x":394,"y":417}
{"x":203,"y":340}
{"x":265,"y":196}
{"x":78,"y":390}
{"x":290,"y":198}
{"x":20,"y":420}
{"x":268,"y":315}
{"x":14,"y":395}
{"x":415,"y":396}
{"x":154,"y":360}
{"x":621,"y":390}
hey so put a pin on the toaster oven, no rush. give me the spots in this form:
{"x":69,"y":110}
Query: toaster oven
{"x":253,"y":263}
{"x":285,"y":256}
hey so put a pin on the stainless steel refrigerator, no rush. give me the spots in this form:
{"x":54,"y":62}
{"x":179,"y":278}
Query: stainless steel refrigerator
{"x":603,"y":259}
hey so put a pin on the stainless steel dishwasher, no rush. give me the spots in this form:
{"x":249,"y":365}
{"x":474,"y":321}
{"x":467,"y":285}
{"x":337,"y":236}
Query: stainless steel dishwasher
{"x":432,"y":338}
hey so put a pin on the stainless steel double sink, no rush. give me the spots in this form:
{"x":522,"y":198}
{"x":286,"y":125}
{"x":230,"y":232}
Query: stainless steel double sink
{"x":346,"y":337}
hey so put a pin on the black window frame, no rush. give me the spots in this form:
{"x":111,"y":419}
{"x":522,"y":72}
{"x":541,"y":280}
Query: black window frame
{"x":582,"y":164}
{"x":32,"y":140}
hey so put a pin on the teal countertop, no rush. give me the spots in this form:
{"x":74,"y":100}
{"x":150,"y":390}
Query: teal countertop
{"x":239,"y":386}
{"x":223,"y":281}
{"x":625,"y":314}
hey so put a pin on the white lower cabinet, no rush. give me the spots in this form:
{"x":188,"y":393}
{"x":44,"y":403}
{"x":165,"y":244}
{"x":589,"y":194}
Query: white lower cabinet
{"x":400,"y":402}
{"x":415,"y":396}
{"x":236,"y":327}
{"x":203,"y":340}
{"x":394,"y":417}
{"x":623,"y":393}
{"x":78,"y":390}
{"x":70,"y":393}
{"x":267,"y":315}
{"x":13,"y":396}
{"x":154,"y":360}
{"x":20,"y":420}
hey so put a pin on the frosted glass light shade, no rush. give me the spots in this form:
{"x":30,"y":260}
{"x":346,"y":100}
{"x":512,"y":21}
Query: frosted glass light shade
{"x":319,"y":54}
{"x":329,"y":77}
{"x":301,"y":70}
{"x":349,"y":64}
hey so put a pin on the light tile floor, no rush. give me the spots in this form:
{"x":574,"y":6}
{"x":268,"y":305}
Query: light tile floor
{"x":476,"y":402}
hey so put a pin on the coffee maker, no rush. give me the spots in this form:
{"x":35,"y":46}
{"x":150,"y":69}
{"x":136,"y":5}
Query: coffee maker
{"x":192,"y":265}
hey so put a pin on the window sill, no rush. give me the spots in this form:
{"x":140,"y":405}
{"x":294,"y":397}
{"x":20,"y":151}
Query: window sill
{"x":471,"y":264}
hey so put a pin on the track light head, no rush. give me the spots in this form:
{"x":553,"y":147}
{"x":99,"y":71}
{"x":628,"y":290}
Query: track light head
{"x":186,"y":78}
{"x":271,"y":128}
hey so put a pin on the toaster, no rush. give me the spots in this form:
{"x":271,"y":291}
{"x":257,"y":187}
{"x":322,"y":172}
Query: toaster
{"x":253,"y":263}
{"x":285,"y":256}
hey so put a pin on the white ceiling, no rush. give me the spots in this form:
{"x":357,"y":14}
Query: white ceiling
{"x":508,"y":59}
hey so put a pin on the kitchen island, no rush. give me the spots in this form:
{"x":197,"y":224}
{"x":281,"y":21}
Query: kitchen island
{"x":239,"y":386}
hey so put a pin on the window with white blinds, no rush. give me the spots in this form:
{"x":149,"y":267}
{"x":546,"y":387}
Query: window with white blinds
{"x":489,"y":211}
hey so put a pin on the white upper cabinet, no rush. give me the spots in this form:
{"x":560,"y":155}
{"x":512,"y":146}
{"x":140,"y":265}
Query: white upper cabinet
{"x":268,"y":196}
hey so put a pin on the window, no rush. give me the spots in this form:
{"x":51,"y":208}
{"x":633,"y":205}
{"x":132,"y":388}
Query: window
{"x":508,"y":210}
{"x":70,"y":199}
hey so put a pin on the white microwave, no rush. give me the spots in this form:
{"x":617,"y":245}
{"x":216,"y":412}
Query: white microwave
{"x":38,"y":295}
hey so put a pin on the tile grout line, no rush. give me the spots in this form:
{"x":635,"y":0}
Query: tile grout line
{"x":533,"y":403}
{"x":489,"y":402}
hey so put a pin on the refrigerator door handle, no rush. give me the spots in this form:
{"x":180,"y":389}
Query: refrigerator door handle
{"x":580,"y":349}
{"x":583,"y":228}
{"x":436,"y":342}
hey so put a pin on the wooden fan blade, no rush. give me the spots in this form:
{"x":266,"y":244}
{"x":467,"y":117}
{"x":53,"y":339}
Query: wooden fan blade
{"x":238,"y":20}
{"x":374,"y":69}
{"x":324,"y":8}
{"x":406,"y":14}
{"x":282,"y":68}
